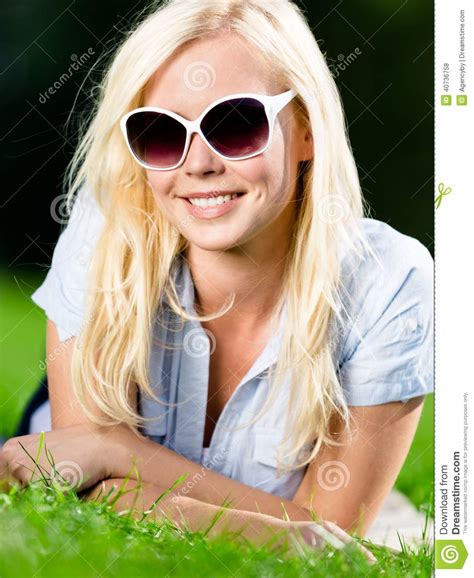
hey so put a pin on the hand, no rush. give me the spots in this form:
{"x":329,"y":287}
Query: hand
{"x":81,"y":456}
{"x":319,"y":534}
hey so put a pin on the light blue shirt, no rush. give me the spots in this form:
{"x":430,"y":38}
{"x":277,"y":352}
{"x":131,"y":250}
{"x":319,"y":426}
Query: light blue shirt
{"x":386,"y":355}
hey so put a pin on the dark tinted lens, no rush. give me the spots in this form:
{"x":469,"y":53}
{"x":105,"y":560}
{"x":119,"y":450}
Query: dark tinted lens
{"x":156,"y":139}
{"x":237,"y":127}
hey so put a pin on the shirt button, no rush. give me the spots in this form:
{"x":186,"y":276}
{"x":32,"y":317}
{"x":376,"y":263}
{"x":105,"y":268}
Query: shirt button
{"x":412,"y":324}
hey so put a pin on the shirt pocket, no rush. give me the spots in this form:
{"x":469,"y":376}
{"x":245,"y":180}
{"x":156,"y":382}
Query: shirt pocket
{"x":263,"y":467}
{"x":265,"y":446}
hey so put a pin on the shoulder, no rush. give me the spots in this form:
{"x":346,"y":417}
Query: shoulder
{"x":395,"y":252}
{"x":78,"y":238}
{"x":396,"y":259}
{"x":396,"y":281}
{"x":395,"y":247}
{"x":62,"y":295}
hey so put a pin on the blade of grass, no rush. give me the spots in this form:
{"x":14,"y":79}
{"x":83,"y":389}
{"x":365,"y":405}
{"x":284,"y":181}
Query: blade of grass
{"x":286,"y":517}
{"x":121,"y":491}
{"x":218,"y":516}
{"x":163,"y":495}
{"x":37,"y":465}
{"x":40,"y":445}
{"x":138,"y":490}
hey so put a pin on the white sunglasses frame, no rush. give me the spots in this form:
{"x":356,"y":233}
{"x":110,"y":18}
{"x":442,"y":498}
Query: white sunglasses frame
{"x":273,"y":104}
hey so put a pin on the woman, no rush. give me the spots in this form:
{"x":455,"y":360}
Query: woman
{"x":219,"y":290}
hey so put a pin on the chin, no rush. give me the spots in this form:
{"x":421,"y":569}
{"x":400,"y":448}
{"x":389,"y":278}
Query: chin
{"x":215,"y":242}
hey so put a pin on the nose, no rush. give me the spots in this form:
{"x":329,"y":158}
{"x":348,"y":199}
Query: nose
{"x":200,"y":158}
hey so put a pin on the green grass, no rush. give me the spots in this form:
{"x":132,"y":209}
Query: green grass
{"x":22,"y":345}
{"x":45,"y":532}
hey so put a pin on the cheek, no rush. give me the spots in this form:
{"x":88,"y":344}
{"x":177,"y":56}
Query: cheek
{"x":253,"y":171}
{"x":262,"y":175}
{"x":160,"y":183}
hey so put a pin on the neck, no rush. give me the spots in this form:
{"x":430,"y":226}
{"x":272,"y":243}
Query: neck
{"x":254,"y":273}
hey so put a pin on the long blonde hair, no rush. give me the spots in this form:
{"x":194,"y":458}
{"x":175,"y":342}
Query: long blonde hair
{"x":132,"y":261}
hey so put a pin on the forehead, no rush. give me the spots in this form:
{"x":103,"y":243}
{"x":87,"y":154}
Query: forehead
{"x":206,"y":70}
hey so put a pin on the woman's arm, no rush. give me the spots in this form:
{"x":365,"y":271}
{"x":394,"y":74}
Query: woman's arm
{"x":198,"y":516}
{"x":366,"y":467}
{"x":65,"y":409}
{"x":349,"y":483}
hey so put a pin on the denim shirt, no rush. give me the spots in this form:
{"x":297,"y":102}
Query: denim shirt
{"x":385,"y":355}
{"x":247,"y":454}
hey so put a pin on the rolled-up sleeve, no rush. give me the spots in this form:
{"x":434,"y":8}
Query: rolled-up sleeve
{"x":389,"y":354}
{"x":62,"y":295}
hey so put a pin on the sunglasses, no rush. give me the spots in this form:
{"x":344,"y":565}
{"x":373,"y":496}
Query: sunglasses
{"x":235,"y":127}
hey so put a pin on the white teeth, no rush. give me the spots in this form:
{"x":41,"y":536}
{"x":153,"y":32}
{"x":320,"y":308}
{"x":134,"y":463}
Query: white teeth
{"x":212,"y":201}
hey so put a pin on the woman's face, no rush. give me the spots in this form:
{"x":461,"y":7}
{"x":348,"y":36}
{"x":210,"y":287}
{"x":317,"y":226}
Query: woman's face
{"x":203,"y":72}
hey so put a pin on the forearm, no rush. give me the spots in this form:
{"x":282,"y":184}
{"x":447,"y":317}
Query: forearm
{"x":157,"y":463}
{"x":186,"y":512}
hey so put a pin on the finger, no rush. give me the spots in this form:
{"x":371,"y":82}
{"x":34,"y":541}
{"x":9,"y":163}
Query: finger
{"x":325,"y":532}
{"x":346,"y":538}
{"x":24,"y":473}
{"x":6,"y":478}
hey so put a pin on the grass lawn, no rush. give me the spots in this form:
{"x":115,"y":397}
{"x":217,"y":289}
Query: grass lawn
{"x":46,"y":531}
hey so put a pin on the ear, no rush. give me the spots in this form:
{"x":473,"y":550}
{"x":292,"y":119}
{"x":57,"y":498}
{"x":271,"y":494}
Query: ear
{"x":307,"y":152}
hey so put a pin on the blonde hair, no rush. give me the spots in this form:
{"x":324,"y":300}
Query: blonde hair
{"x":133,"y":259}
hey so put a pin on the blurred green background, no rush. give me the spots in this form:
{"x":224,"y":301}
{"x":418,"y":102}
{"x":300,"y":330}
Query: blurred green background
{"x":381,"y":55}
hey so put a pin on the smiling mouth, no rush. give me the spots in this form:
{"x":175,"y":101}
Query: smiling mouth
{"x":213,"y":201}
